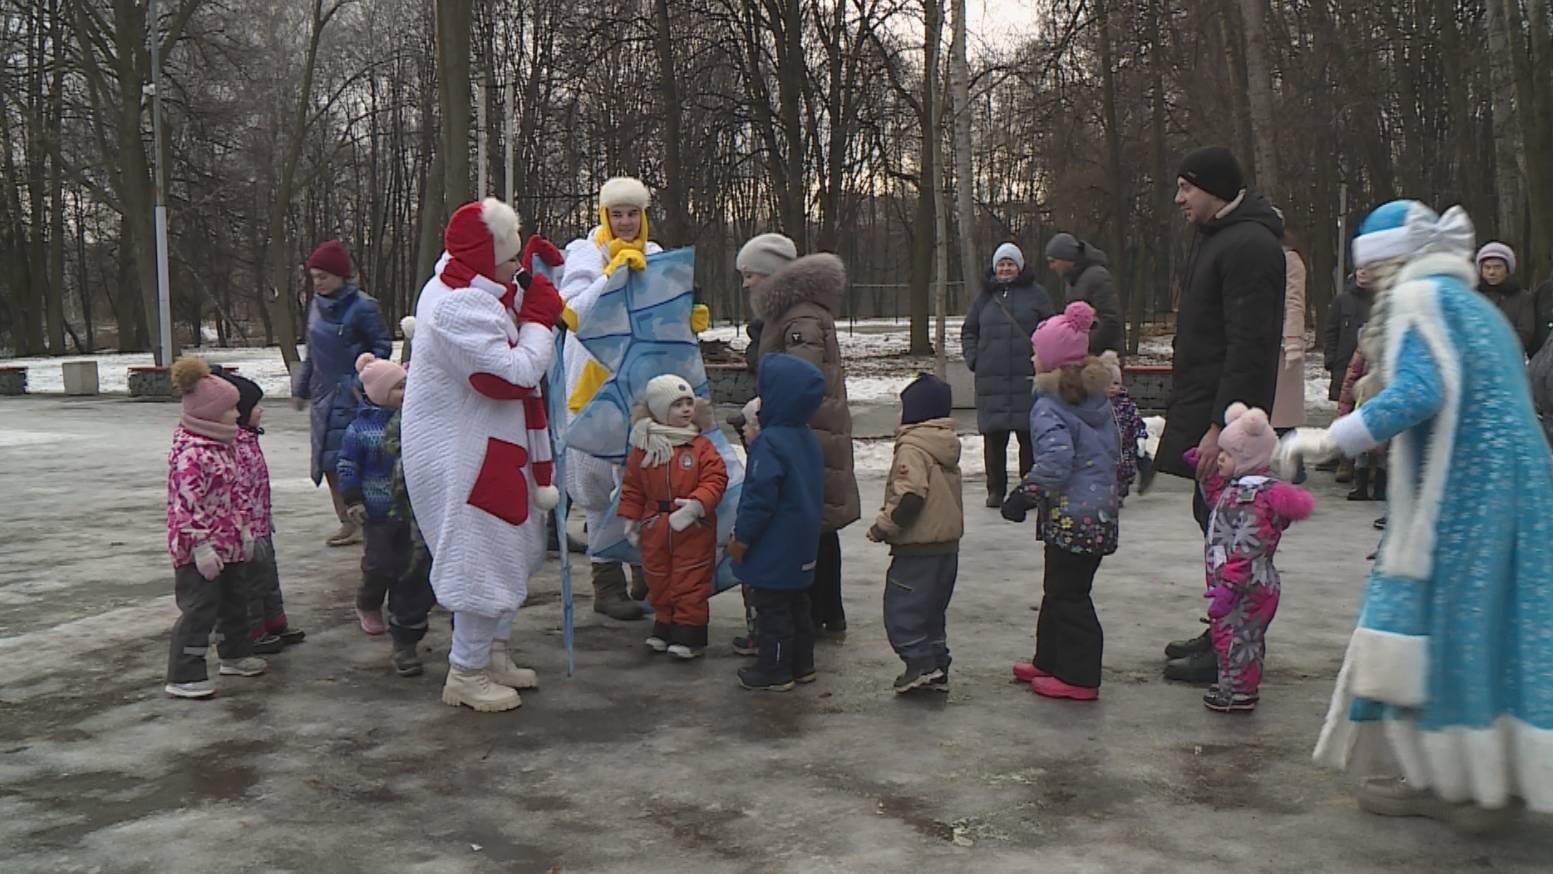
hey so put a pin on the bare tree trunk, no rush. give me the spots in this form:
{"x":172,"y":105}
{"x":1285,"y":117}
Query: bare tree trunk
{"x":964,"y":179}
{"x":675,"y":193}
{"x":1163,"y":182}
{"x":1259,"y":77}
{"x":1113,"y":142}
{"x":282,"y":313}
{"x":454,"y":18}
{"x":1238,"y":85}
{"x":928,"y":195}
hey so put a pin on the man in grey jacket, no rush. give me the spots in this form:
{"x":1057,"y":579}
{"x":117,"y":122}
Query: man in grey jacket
{"x":1087,"y":277}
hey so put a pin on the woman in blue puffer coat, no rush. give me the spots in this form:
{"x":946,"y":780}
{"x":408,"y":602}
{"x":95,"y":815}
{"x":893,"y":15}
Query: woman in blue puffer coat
{"x":342,"y":323}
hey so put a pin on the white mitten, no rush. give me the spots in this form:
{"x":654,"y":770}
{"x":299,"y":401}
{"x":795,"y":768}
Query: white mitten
{"x":207,"y":562}
{"x":546,"y":497}
{"x":633,"y":532}
{"x":751,"y":413}
{"x":1314,"y":445}
{"x":689,"y":511}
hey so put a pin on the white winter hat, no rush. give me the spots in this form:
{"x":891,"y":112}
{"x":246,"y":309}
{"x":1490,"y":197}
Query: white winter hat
{"x":766,"y":254}
{"x":624,"y":191}
{"x":663,"y":391}
{"x":1010,"y":252}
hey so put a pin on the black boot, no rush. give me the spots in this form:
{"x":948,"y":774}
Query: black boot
{"x":774,"y":671}
{"x":1201,"y":668}
{"x":1180,"y":649}
{"x":406,"y":659}
{"x":1378,"y":490}
{"x":609,"y":592}
{"x":1361,"y":485}
{"x":803,"y":654}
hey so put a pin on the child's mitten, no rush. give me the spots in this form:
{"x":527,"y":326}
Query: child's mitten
{"x":207,"y":562}
{"x":633,"y":532}
{"x":1222,"y":601}
{"x":689,"y":511}
{"x":1016,"y":506}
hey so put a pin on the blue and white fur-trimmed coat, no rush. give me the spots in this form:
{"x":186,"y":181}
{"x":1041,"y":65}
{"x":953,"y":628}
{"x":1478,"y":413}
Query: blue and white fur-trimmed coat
{"x":1453,"y":654}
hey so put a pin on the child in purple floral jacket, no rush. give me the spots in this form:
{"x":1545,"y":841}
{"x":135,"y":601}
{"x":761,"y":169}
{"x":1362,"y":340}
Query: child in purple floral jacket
{"x":1073,"y":486}
{"x":1251,"y":510}
{"x":1129,"y":425}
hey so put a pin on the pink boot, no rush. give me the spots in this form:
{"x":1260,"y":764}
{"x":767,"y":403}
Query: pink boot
{"x":371,"y":621}
{"x":1024,"y":672}
{"x":1051,"y":687}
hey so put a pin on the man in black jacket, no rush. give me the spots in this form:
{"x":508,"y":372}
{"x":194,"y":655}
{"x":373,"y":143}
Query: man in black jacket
{"x":1340,"y":333}
{"x":1228,"y":333}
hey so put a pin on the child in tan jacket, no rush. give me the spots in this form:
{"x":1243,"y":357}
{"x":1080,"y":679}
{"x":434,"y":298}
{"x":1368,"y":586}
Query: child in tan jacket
{"x":922,"y":519}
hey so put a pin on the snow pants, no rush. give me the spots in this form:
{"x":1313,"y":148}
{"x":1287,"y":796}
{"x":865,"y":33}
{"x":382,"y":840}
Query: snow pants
{"x":1240,"y":638}
{"x":679,"y":567}
{"x":219,"y":605}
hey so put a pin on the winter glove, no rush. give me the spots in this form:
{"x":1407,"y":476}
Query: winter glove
{"x":737,"y":550}
{"x":541,"y":304}
{"x":877,"y":535}
{"x":633,"y":532}
{"x":751,"y":421}
{"x":700,"y":318}
{"x":357,"y":513}
{"x":632,"y":258}
{"x":542,"y":247}
{"x":689,"y":511}
{"x":1223,"y":601}
{"x":1016,"y":506}
{"x":207,"y":562}
{"x":1313,"y":445}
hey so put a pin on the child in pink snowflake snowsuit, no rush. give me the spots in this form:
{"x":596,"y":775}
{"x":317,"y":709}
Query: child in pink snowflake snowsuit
{"x":207,"y":535}
{"x":1251,"y":510}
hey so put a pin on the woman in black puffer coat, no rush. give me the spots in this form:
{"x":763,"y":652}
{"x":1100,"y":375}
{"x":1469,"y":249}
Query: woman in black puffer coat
{"x":996,"y":341}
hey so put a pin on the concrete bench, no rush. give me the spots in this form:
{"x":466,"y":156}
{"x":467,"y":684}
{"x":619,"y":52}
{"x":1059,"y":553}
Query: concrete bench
{"x":13,"y":381}
{"x":150,"y":382}
{"x":80,"y":377}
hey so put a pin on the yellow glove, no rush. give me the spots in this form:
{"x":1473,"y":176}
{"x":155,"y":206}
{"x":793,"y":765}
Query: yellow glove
{"x":700,"y":318}
{"x":632,"y":258}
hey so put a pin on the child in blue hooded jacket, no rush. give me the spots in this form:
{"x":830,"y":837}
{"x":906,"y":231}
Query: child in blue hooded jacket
{"x":777,"y":531}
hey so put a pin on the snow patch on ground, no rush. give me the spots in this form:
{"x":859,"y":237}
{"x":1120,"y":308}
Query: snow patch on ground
{"x":262,"y":365}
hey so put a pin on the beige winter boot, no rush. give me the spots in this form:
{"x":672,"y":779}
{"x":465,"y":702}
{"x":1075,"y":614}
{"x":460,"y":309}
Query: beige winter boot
{"x":504,"y":672}
{"x":475,"y":689}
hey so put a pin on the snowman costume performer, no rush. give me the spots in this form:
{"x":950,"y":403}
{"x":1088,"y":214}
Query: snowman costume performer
{"x":476,"y":453}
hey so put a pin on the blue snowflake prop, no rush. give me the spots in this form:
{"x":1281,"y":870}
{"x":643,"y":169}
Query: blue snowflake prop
{"x":638,"y":329}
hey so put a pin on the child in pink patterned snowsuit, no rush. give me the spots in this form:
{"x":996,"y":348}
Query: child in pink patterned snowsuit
{"x":1251,"y":509}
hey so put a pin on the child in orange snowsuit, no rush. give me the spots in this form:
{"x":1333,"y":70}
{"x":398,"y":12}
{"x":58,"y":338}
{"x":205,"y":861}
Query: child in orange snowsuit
{"x":674,"y":479}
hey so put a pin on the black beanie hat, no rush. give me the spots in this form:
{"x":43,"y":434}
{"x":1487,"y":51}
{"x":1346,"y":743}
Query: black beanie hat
{"x":248,"y":393}
{"x":1214,"y":170}
{"x":927,"y":397}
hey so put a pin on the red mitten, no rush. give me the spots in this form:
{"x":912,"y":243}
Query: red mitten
{"x":541,"y":303}
{"x":542,"y":247}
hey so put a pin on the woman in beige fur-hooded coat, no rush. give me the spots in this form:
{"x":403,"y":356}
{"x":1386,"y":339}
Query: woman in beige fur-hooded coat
{"x":799,"y":304}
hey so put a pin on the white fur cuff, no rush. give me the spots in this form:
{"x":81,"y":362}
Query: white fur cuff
{"x":1352,"y":436}
{"x":1390,"y":667}
{"x":546,"y":497}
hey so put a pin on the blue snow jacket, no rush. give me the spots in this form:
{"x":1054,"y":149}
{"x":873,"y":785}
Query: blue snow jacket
{"x":784,"y":483}
{"x":340,"y":327}
{"x":365,"y":466}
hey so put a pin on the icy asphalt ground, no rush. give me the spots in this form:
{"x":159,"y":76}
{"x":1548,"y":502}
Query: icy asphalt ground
{"x":331,"y":763}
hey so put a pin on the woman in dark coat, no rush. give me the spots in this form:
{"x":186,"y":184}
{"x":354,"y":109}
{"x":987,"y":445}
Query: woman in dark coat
{"x":996,"y":341}
{"x":342,"y":323}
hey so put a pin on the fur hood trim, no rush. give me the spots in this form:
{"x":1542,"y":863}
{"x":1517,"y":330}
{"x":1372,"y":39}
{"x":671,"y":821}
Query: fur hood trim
{"x":1096,"y":375}
{"x":820,"y":279}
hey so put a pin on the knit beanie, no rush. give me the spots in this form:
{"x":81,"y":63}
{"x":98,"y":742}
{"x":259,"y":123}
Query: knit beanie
{"x":1214,"y":170}
{"x":766,"y":254}
{"x":1008,"y":251}
{"x":378,"y":377}
{"x":663,"y":391}
{"x":206,"y":397}
{"x":1064,"y":338}
{"x":330,"y":257}
{"x":624,"y":191}
{"x":1248,"y":438}
{"x":1065,"y":247}
{"x":248,"y":394}
{"x":927,"y":397}
{"x":482,"y":234}
{"x":1498,"y":250}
